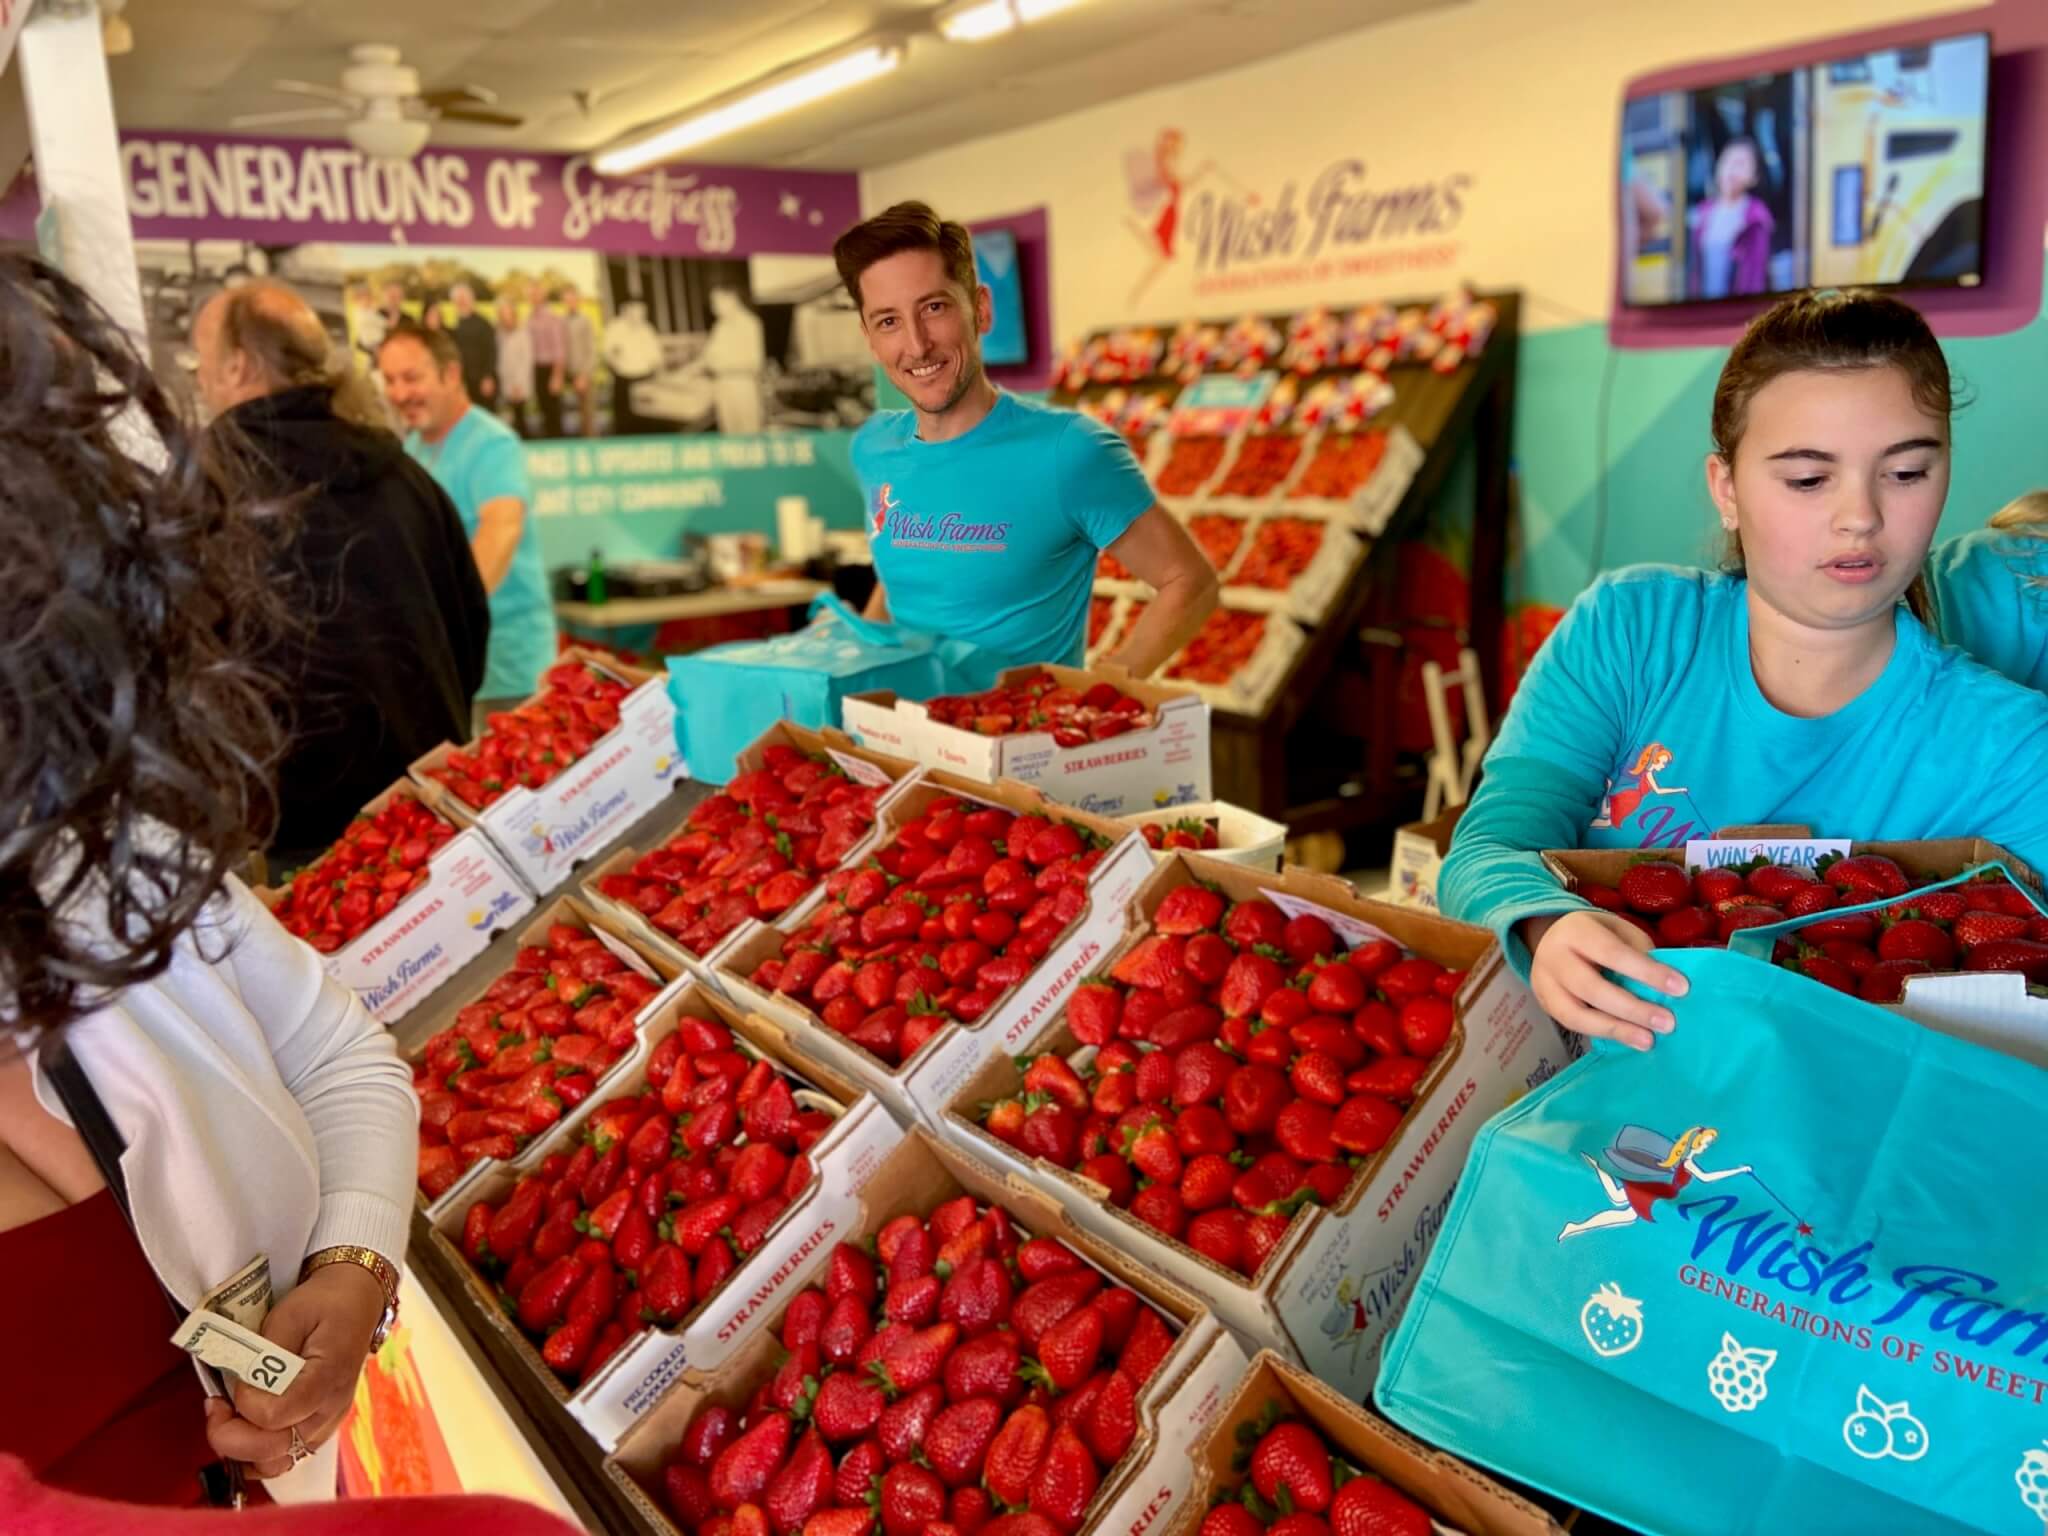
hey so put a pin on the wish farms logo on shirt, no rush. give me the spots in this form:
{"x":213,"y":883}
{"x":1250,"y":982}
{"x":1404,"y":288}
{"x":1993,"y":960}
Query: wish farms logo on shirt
{"x":908,"y":530}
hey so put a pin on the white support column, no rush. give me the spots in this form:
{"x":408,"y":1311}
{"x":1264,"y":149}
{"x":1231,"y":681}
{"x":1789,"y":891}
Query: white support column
{"x":78,"y":154}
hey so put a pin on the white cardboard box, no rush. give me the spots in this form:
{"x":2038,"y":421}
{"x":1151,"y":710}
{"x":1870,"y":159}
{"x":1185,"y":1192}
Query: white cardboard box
{"x":471,"y":894}
{"x":632,"y":1381}
{"x":918,"y":1090}
{"x":1241,"y":836}
{"x":1146,"y":1491}
{"x":1329,"y":1295}
{"x":545,"y":833}
{"x":1419,"y":850}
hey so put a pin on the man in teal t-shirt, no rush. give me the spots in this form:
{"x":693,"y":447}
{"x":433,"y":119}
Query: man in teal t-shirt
{"x":479,"y":462}
{"x":986,"y":513}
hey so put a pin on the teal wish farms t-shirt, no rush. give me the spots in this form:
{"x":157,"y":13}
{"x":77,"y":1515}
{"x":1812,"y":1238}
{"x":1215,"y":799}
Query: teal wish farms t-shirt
{"x":992,"y":538}
{"x":1640,"y":725}
{"x":1991,"y":598}
{"x":481,"y":460}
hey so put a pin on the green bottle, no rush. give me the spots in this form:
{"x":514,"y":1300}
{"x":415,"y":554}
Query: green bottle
{"x":594,"y":588}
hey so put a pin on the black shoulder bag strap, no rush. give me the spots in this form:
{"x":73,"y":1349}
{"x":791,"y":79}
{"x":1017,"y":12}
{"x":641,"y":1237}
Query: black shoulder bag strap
{"x":222,"y":1481}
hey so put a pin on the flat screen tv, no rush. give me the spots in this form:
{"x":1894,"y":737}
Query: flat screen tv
{"x":1867,"y":169}
{"x":1007,"y":345}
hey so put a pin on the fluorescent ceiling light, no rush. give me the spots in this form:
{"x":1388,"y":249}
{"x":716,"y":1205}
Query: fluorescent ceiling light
{"x":975,"y":21}
{"x":811,"y":81}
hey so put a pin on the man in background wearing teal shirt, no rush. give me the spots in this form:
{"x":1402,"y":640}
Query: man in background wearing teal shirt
{"x":479,"y":462}
{"x":986,"y":513}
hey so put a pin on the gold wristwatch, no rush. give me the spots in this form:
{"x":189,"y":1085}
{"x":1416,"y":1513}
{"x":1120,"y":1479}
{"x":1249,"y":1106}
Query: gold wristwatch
{"x":383,"y":1269}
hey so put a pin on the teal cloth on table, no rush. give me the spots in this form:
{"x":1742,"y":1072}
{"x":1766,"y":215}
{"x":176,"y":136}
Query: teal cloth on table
{"x":727,"y":696}
{"x":1829,"y":1316}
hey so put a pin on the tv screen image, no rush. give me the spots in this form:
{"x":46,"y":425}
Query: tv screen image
{"x":995,"y":260}
{"x":1899,"y":151}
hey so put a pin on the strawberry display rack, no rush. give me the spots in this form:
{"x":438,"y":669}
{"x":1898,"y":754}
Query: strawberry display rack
{"x":607,"y":1402}
{"x":1404,"y":1485}
{"x":545,"y":833}
{"x":1326,"y":1294}
{"x":1178,"y":1403}
{"x":470,"y":894}
{"x":1306,"y":738}
{"x":917,"y":1088}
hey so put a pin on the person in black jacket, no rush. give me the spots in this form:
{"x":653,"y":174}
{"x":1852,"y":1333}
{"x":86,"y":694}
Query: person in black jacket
{"x":396,"y":621}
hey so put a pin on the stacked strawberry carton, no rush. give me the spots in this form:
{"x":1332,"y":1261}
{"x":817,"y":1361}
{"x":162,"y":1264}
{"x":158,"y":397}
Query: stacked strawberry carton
{"x":654,"y":1231}
{"x":975,"y":915}
{"x":403,"y":900}
{"x":1267,"y":1093}
{"x":1094,"y":739}
{"x":1239,"y":659}
{"x":965,"y":1358}
{"x":561,"y":776}
{"x":1293,"y":1458}
{"x":801,"y":804}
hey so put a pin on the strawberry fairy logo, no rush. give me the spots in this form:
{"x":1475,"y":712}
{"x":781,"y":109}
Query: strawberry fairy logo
{"x":886,"y":506}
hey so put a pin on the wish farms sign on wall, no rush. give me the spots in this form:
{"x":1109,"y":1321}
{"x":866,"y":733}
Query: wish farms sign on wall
{"x":291,"y":191}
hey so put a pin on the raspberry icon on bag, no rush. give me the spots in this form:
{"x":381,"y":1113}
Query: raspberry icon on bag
{"x":1611,"y":1322}
{"x":1738,"y":1377}
{"x":2032,"y":1479}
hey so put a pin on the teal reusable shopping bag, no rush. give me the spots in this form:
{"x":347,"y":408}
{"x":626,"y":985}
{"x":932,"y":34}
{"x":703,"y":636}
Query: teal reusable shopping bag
{"x":727,"y":696}
{"x":1786,"y":1272}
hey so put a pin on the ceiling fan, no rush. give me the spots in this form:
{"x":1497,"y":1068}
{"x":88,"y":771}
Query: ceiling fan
{"x":379,"y":102}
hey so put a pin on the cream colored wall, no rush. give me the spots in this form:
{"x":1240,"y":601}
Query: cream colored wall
{"x":1521,"y":96}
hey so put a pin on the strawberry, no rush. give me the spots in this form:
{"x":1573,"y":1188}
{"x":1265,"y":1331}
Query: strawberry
{"x":1712,"y":885}
{"x":1043,"y":1257}
{"x":1231,"y":1520}
{"x":1653,"y":888}
{"x":1066,"y":1481}
{"x":1974,"y":928}
{"x":1816,"y":966}
{"x":687,"y":1492}
{"x":1365,"y":1124}
{"x":1188,"y":909}
{"x":1303,"y":1131}
{"x":1365,"y":1506}
{"x":1778,"y":883}
{"x":1307,"y":938}
{"x":915,"y":1302}
{"x":1608,"y":899}
{"x":912,"y":1500}
{"x":1917,"y":939}
{"x":1319,"y":1077}
{"x":1201,"y":1073}
{"x":1111,"y":1423}
{"x":1811,"y":898}
{"x":1936,"y":906}
{"x":847,"y":1407}
{"x":1183,"y":1025}
{"x":1147,"y":1348}
{"x":1336,"y":988}
{"x":1410,"y":978}
{"x":802,"y":1487}
{"x":1885,"y":982}
{"x":959,"y":1439}
{"x":1153,"y":1081}
{"x":1068,"y":1350}
{"x":1151,"y":964}
{"x":2024,"y":955}
{"x":1094,"y":1011}
{"x":1850,"y":928}
{"x":850,"y":1273}
{"x":1255,"y":922}
{"x":1156,"y":1154}
{"x":1253,"y":1099}
{"x":1052,"y":1077}
{"x":1015,"y":1454}
{"x":1292,"y":1459}
{"x":858,"y":1469}
{"x":1113,"y":1174}
{"x":978,"y":1297}
{"x":901,"y":1428}
{"x":911,"y":1357}
{"x":1159,"y":1207}
{"x":1205,"y":1182}
{"x":987,"y":1366}
{"x":708,"y":1433}
{"x":835,"y":1522}
{"x":1736,"y":919}
{"x":846,"y":1327}
{"x":1867,"y":877}
{"x":1426,"y":1024}
{"x":1248,"y":982}
{"x":1219,"y":1236}
{"x":1119,"y":1309}
{"x":971,"y":1509}
{"x":1044,"y":1304}
{"x":1686,"y":927}
{"x":1859,"y":958}
{"x":1207,"y":958}
{"x":746,"y":1466}
{"x":1053,"y":1133}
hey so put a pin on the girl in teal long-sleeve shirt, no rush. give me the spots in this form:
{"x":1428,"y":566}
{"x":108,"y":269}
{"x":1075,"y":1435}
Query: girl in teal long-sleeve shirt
{"x":1991,"y":591}
{"x":1801,"y":687}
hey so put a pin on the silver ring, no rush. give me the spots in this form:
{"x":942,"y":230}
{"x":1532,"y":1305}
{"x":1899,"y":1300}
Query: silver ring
{"x":300,"y":1450}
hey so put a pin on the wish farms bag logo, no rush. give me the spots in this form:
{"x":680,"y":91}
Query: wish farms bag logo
{"x":907,"y":530}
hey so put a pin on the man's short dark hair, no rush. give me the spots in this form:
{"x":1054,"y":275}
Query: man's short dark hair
{"x":904,"y":227}
{"x":439,"y":344}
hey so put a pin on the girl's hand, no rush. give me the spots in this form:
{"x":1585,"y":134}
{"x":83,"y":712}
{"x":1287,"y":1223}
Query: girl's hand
{"x":1570,"y":956}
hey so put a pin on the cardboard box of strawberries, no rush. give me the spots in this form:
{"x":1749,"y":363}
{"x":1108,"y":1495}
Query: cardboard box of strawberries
{"x":1226,"y":832}
{"x":1096,"y":739}
{"x":1267,"y":1092}
{"x":1292,"y":1458}
{"x":538,"y":1042}
{"x":1989,"y":924}
{"x":555,"y":780}
{"x":800,"y":804}
{"x":403,"y":900}
{"x":955,"y":939}
{"x":658,"y":1227}
{"x":966,"y":1359}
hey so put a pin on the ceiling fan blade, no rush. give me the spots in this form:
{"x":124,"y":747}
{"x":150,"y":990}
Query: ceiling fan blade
{"x":460,"y":95}
{"x":296,"y":115}
{"x":312,"y":88}
{"x":480,"y":115}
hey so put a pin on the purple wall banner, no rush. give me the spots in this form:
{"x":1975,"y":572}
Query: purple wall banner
{"x":292,"y":191}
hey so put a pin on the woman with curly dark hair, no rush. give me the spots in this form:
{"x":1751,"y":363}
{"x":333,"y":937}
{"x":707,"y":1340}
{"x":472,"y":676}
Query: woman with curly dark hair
{"x":252,"y":1111}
